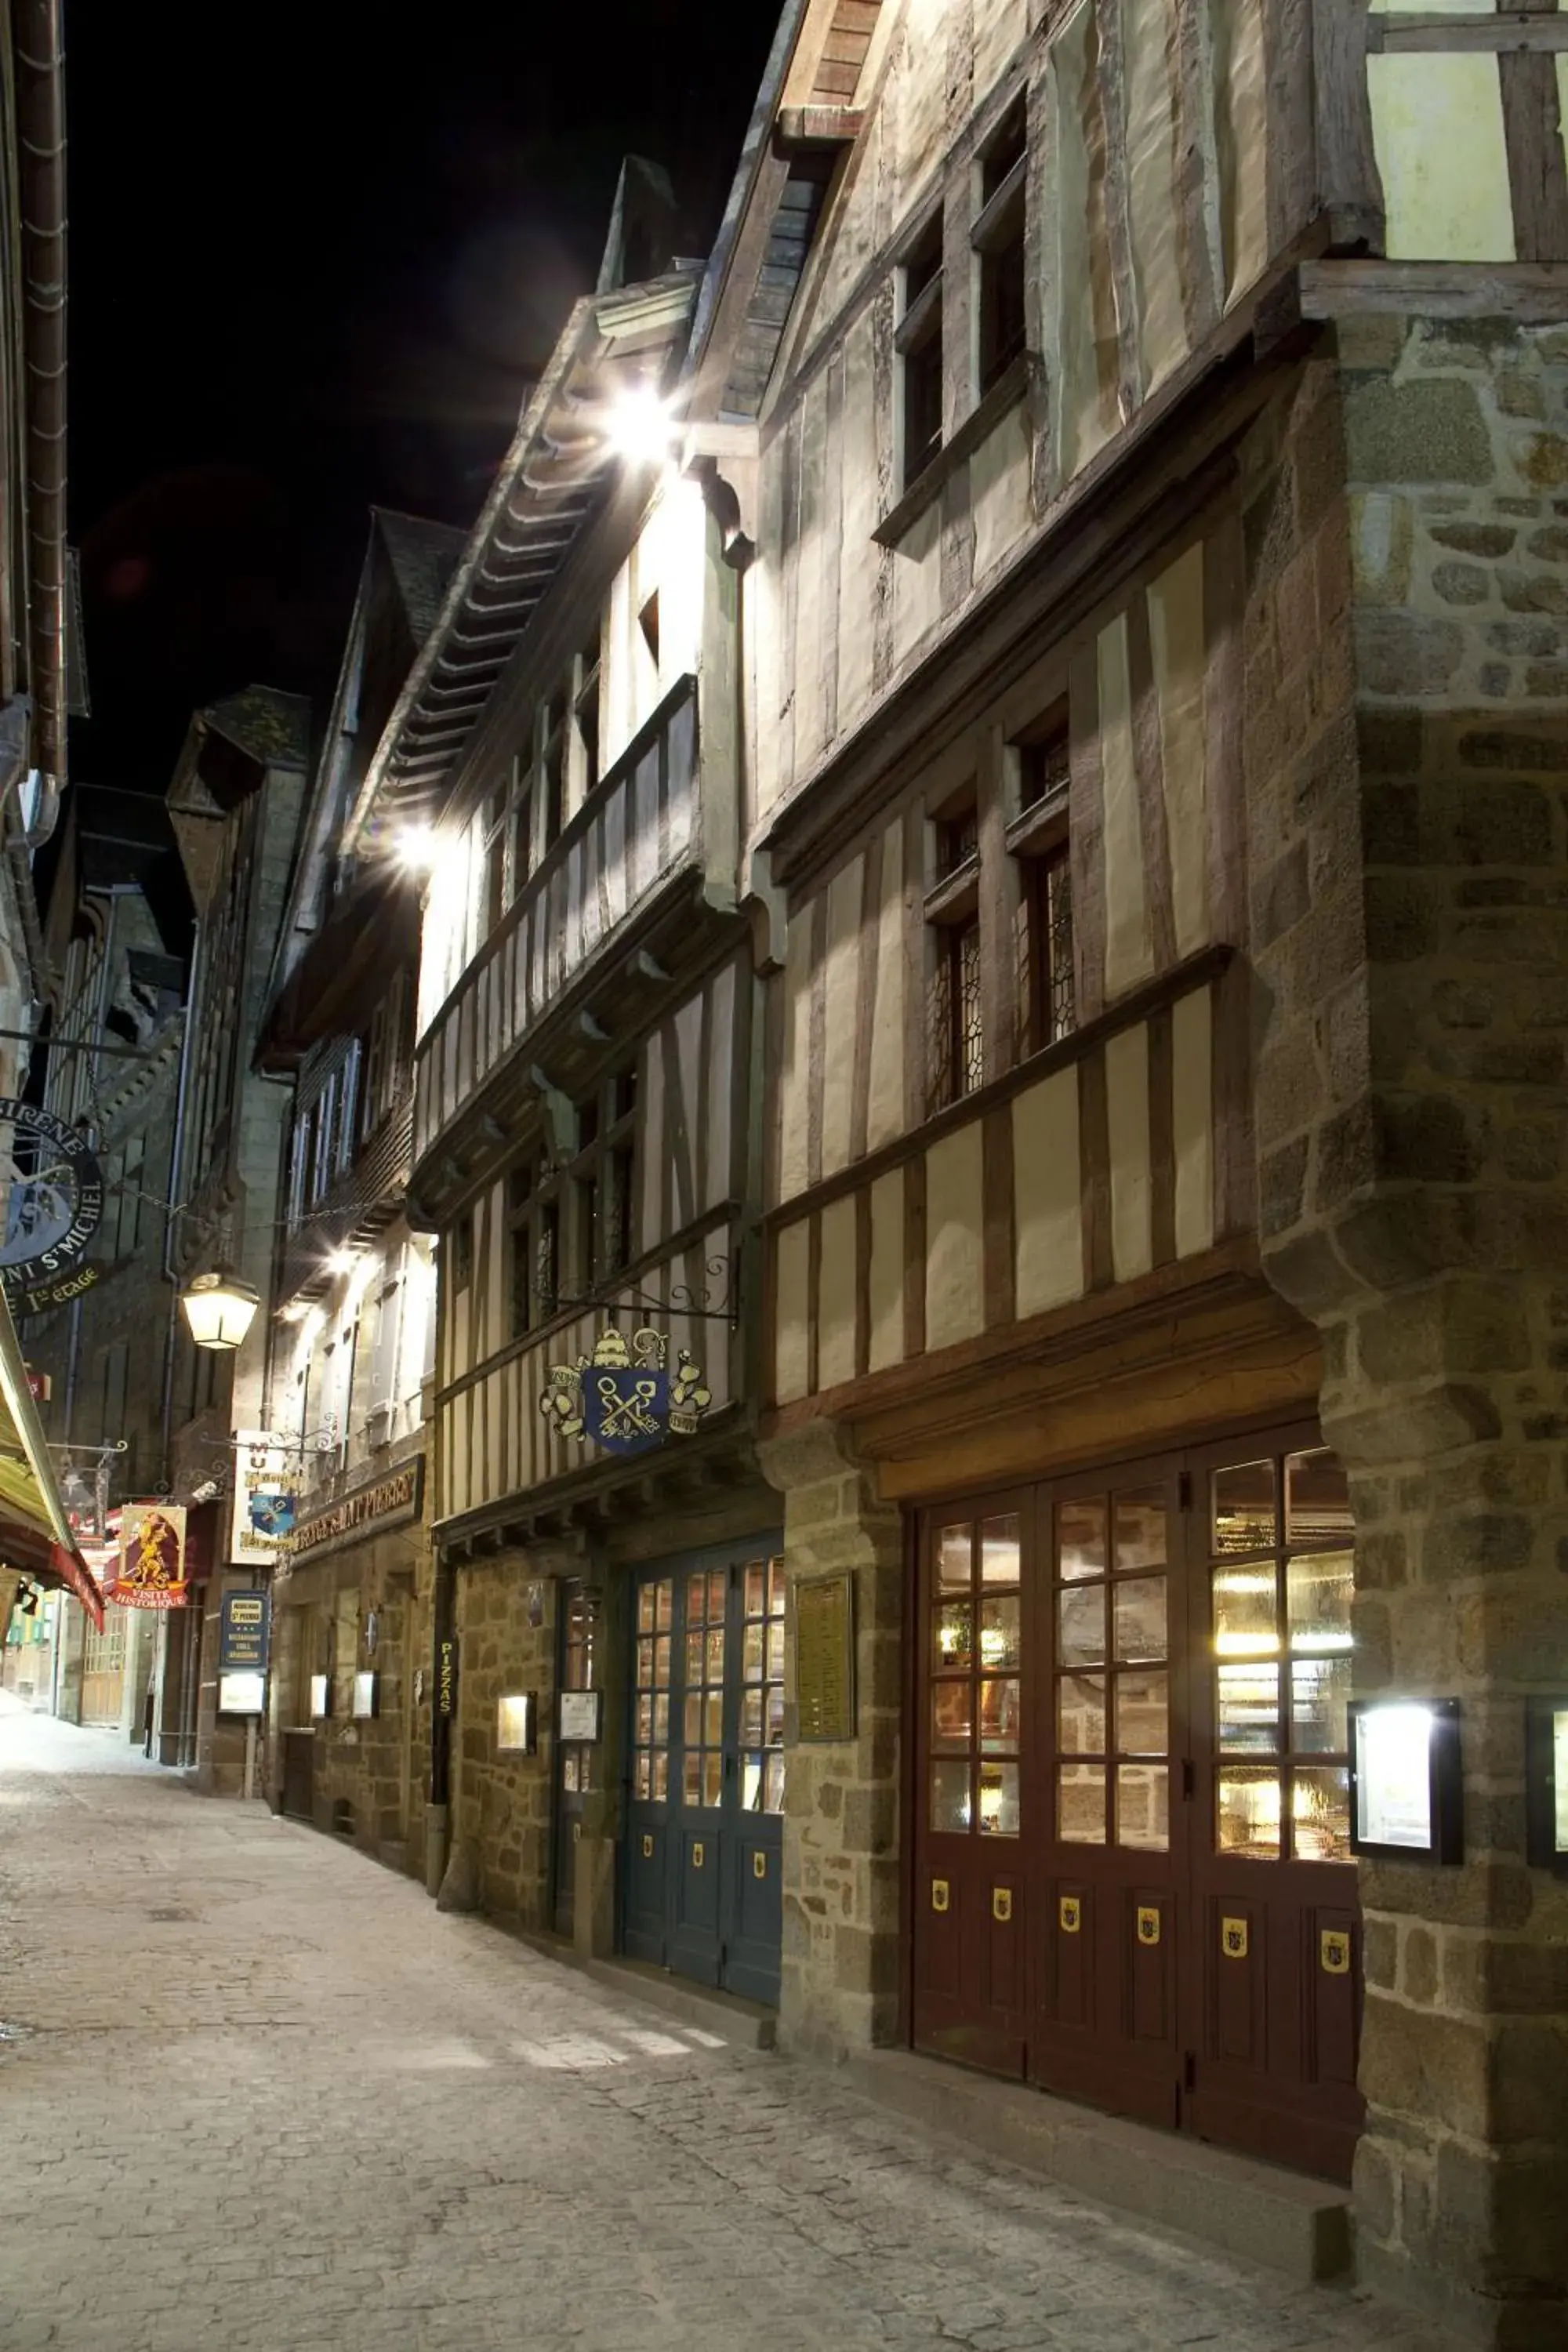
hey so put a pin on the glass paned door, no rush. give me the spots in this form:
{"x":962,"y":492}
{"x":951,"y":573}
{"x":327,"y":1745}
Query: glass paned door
{"x":1109,"y":1566}
{"x":971,"y":1925}
{"x":702,"y":1883}
{"x":1274,"y":2015}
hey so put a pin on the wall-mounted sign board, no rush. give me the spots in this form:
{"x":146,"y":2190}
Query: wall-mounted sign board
{"x":1546,"y":1783}
{"x":1407,"y":1786}
{"x":582,"y":1715}
{"x":824,"y":1656}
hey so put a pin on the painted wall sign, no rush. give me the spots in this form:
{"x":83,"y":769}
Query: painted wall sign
{"x":35,"y":1299}
{"x":243,"y":1626}
{"x":265,"y":1476}
{"x":446,"y":1677}
{"x":825,"y":1657}
{"x":390,"y":1502}
{"x":54,"y":1197}
{"x":152,"y":1569}
{"x":624,"y":1396}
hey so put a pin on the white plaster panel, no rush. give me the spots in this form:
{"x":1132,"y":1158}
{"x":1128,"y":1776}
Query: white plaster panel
{"x":1047,"y":1194}
{"x":792,"y":1310}
{"x":887,"y":1271}
{"x":1192,"y":1119}
{"x":955,"y":1227}
{"x":1127,"y":1103}
{"x":837,"y":1288}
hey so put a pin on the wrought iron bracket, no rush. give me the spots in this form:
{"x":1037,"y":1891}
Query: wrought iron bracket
{"x":699,"y":1306}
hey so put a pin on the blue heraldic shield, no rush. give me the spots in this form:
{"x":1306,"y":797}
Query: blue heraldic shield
{"x":625,"y":1411}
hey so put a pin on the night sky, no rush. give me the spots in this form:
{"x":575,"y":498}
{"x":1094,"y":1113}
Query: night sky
{"x":315,"y":268}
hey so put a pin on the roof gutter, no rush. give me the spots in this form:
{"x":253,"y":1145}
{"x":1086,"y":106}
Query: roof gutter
{"x":41,"y":126}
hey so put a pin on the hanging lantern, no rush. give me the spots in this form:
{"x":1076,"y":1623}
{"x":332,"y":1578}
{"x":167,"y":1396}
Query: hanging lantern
{"x":220,"y":1310}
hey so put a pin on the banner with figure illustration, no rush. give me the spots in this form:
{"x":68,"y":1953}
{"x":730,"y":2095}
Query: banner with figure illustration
{"x":152,"y":1570}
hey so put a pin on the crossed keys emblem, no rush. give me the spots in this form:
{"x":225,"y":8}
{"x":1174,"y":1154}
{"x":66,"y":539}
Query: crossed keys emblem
{"x":623,"y":1397}
{"x":622,"y":1416}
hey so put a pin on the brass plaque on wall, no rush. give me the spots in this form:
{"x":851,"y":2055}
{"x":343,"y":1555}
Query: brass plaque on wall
{"x":825,"y":1657}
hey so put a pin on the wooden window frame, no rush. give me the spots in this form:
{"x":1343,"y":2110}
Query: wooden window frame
{"x":1038,"y":839}
{"x":918,"y":349}
{"x":998,"y":242}
{"x":955,"y":1035}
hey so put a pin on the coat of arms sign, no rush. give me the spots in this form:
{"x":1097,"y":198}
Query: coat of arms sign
{"x":624,"y":1396}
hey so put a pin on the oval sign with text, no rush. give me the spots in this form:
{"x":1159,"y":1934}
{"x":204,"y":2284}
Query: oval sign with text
{"x":53,"y":1197}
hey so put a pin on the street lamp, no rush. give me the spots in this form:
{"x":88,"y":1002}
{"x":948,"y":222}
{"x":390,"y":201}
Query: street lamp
{"x":219,"y":1311}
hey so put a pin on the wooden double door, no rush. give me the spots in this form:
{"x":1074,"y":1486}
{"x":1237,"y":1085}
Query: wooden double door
{"x":701,"y":1889}
{"x":1131,"y":1872}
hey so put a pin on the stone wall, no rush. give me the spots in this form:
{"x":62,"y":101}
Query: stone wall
{"x":1407,"y":781}
{"x":506,"y":1619}
{"x":840,"y":1985}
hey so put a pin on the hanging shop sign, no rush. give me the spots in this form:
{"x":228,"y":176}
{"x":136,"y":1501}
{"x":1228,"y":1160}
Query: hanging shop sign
{"x":265,"y":1502}
{"x":37,"y":1299}
{"x":624,"y":1396}
{"x":54,"y":1202}
{"x":243,"y":1628}
{"x":389,"y":1502}
{"x":151,"y":1569}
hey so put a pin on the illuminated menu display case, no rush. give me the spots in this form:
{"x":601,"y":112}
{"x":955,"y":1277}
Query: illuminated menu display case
{"x":1407,"y":1785}
{"x":1546,"y":1783}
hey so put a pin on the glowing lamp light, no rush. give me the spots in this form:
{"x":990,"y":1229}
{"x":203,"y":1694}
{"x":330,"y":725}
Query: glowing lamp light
{"x":219,"y":1311}
{"x":641,"y":426}
{"x":343,"y":1261}
{"x":416,"y":848}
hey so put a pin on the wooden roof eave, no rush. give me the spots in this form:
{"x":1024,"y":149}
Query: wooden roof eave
{"x":537,"y":485}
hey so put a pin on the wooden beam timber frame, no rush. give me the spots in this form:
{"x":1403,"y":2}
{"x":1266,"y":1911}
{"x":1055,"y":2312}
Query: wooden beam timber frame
{"x":1514,"y":28}
{"x":816,"y":130}
{"x":1533,"y":293}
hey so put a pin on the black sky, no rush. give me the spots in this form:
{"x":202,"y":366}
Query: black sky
{"x":316,"y":254}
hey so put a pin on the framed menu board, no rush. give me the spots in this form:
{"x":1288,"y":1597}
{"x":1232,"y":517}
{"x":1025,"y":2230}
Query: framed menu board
{"x":1407,"y":1788}
{"x":824,"y":1656}
{"x":1546,"y":1783}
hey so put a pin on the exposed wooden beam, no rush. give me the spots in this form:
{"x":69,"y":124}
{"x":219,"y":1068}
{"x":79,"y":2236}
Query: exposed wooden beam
{"x":816,"y":130}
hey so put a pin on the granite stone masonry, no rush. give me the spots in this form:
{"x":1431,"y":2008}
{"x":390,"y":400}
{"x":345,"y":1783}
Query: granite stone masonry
{"x":840,"y":1967}
{"x":507,"y":1637}
{"x":258,"y":2092}
{"x":1408,"y":763}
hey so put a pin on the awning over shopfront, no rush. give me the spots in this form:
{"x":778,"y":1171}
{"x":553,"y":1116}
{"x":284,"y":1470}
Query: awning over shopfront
{"x":35,"y":1537}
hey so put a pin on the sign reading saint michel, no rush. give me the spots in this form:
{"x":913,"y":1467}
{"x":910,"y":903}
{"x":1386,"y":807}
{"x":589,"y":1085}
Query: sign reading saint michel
{"x":54,"y":1203}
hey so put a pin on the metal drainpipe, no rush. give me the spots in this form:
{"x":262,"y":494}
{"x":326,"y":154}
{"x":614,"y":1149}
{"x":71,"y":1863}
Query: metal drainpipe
{"x":40,"y":112}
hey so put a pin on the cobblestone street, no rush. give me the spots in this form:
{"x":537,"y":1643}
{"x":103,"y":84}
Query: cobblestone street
{"x":257,"y":2092}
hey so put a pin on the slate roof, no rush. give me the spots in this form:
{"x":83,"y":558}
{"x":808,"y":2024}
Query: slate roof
{"x":423,"y":556}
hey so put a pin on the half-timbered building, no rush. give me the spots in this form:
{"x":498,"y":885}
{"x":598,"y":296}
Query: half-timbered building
{"x":354,"y":1293}
{"x":585,"y":1147}
{"x":1148,"y":417}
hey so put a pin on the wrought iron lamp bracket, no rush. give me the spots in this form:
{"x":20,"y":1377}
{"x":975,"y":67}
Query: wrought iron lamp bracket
{"x":718,"y":1303}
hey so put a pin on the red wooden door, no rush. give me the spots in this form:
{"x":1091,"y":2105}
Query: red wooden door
{"x":971,"y":1914}
{"x":1273,"y":1978}
{"x":1132,"y":1880}
{"x":1110,"y":1843}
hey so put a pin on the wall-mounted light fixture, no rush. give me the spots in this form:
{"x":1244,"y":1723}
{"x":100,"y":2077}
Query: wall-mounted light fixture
{"x":220,"y":1310}
{"x":320,"y":1698}
{"x":367,"y":1695}
{"x":517,"y":1724}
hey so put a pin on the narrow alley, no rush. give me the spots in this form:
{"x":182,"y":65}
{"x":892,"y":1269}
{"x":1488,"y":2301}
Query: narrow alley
{"x":256,"y":2092}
